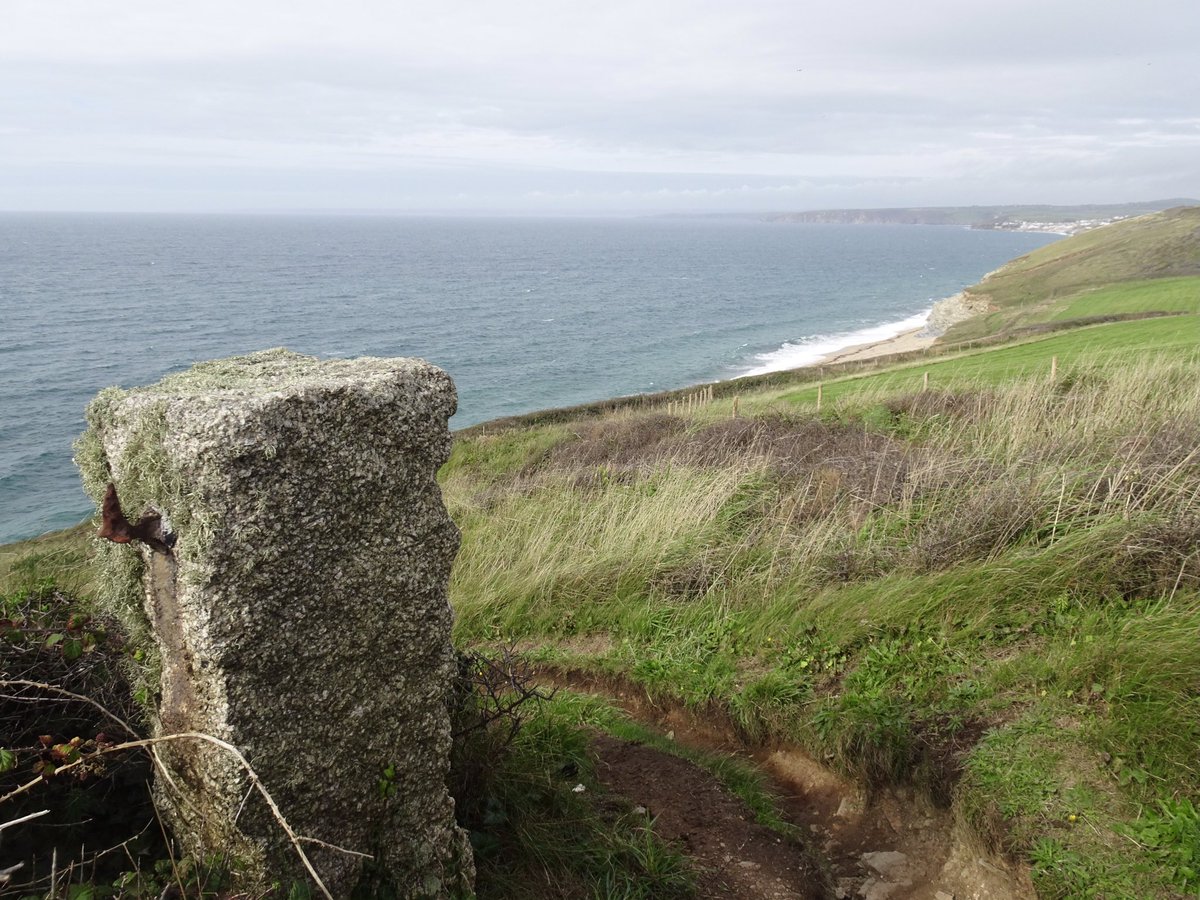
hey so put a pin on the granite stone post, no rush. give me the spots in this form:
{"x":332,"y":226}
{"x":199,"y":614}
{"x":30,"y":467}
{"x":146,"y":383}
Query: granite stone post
{"x":293,"y":604}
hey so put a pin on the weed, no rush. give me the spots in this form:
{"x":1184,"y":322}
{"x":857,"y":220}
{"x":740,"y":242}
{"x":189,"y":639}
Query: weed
{"x":1171,"y":835}
{"x":1059,"y":873}
{"x":770,"y":704}
{"x":48,"y":636}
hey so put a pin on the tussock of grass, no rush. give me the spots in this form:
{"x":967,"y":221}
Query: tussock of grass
{"x":60,"y":559}
{"x":921,"y":587}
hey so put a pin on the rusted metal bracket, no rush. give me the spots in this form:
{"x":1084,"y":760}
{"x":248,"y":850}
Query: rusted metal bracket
{"x":118,"y":529}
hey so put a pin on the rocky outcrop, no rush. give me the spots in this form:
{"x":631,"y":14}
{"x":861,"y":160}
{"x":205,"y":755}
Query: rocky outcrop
{"x":294,"y":605}
{"x":951,"y":311}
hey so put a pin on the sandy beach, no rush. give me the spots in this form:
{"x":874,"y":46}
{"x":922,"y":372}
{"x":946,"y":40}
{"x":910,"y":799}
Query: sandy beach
{"x":902,"y":343}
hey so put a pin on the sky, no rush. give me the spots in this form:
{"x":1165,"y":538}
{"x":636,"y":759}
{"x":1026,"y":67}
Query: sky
{"x":621,"y":106}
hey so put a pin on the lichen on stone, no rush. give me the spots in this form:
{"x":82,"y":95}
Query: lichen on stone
{"x":302,"y":613}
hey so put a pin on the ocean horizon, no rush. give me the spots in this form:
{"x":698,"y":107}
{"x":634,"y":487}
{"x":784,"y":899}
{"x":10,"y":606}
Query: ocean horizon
{"x":525,"y":314}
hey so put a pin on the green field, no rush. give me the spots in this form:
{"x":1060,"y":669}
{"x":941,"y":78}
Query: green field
{"x":1035,"y":287}
{"x":1160,"y":295}
{"x":1078,"y":350}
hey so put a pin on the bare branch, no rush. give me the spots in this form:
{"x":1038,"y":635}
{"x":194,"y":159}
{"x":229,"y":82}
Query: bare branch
{"x":504,"y":684}
{"x":113,"y":717}
{"x":151,"y":744}
{"x":27,"y":786}
{"x":36,"y":815}
{"x":54,"y":689}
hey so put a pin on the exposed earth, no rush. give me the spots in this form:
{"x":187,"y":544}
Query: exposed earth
{"x":894,"y":845}
{"x":734,"y":856}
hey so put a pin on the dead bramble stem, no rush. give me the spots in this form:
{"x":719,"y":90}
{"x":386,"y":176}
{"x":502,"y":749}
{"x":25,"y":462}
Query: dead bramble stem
{"x":151,"y":744}
{"x":111,"y":716}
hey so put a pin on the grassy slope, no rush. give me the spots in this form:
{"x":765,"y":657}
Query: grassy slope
{"x":998,"y":583}
{"x":1167,"y":295}
{"x":1099,"y":346}
{"x":991,"y":589}
{"x":60,"y":557}
{"x":1036,"y":286}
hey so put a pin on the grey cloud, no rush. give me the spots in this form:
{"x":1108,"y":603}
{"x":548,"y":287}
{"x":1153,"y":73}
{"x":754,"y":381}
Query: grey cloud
{"x":530,"y":104}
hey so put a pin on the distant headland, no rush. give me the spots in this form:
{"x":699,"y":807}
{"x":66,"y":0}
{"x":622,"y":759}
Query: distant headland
{"x":1031,"y":217}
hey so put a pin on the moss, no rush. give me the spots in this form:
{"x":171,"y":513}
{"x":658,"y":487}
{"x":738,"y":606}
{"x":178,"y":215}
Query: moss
{"x":277,"y":368}
{"x":147,"y":477}
{"x":146,"y":480}
{"x":93,"y":467}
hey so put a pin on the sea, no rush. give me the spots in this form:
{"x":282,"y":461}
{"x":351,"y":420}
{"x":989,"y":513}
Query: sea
{"x":524,"y":313}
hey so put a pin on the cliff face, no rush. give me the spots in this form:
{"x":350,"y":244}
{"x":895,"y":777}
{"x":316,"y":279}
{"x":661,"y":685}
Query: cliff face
{"x":964,"y":216}
{"x":951,"y":311}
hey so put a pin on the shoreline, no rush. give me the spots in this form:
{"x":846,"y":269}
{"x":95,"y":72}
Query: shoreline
{"x":915,"y":333}
{"x":824,"y":351}
{"x":904,"y":342}
{"x":897,"y":336}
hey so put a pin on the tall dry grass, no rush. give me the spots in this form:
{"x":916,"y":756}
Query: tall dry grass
{"x":880,"y":484}
{"x":1001,"y":581}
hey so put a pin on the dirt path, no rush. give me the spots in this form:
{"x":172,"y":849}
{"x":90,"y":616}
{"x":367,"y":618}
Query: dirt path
{"x":735,"y":857}
{"x":897,"y":846}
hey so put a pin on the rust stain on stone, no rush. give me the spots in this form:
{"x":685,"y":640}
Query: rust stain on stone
{"x":178,"y":705}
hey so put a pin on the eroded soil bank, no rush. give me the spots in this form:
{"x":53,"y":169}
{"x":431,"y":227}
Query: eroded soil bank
{"x":891,"y":845}
{"x":735,"y":857}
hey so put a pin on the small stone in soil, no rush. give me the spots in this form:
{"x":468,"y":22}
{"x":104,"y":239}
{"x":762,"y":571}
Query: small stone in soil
{"x":849,"y":808}
{"x":874,"y":889}
{"x":890,"y":864}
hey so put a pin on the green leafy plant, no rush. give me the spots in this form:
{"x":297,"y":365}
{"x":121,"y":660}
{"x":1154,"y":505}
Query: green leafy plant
{"x":387,"y":782}
{"x":1171,"y":834}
